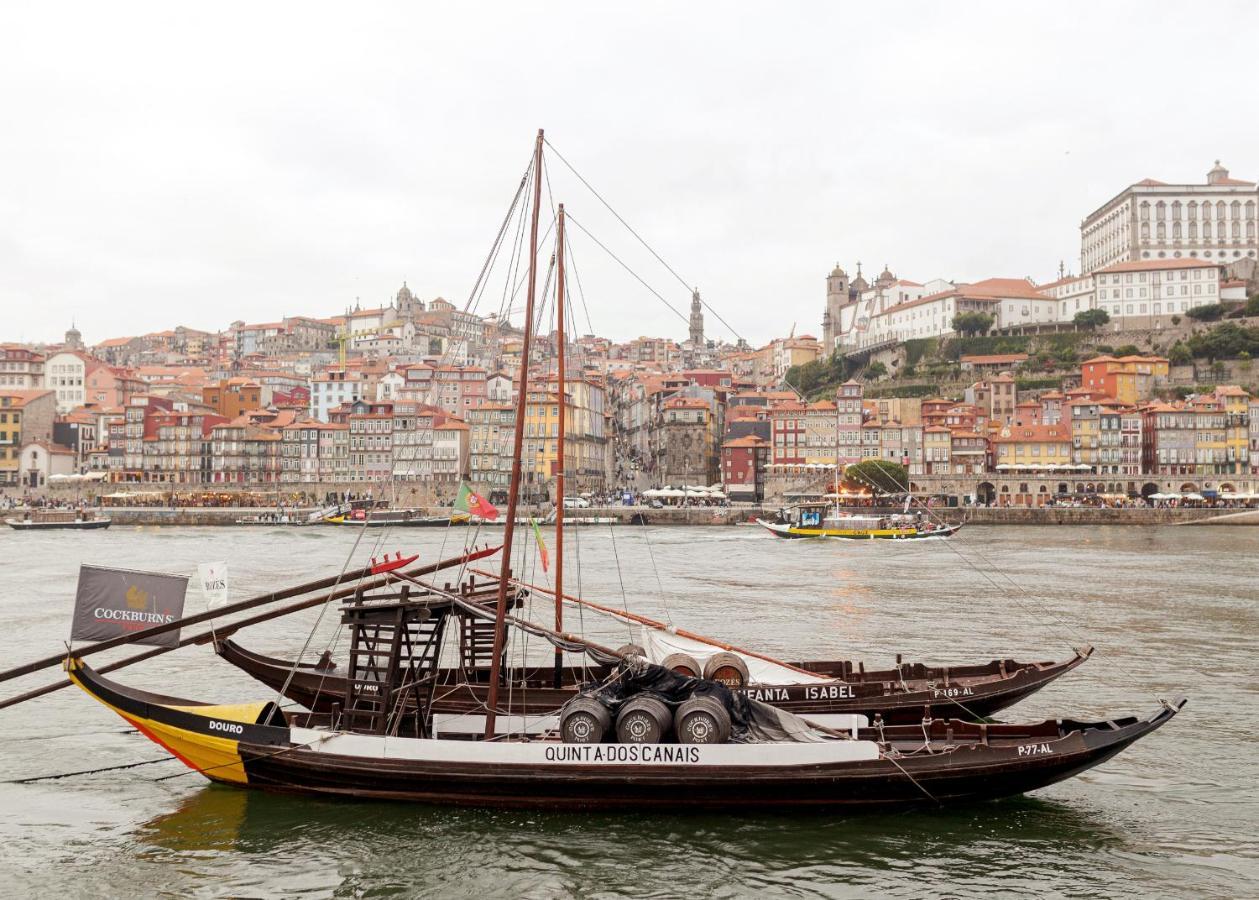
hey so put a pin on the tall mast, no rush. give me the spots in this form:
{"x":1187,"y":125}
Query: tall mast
{"x":500,"y":613}
{"x":560,"y":300}
{"x":838,"y":394}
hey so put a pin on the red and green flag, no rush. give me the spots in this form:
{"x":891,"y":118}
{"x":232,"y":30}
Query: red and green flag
{"x":474,"y":504}
{"x":537,"y":533}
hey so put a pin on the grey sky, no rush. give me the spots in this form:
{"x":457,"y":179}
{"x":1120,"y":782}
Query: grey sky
{"x":164,"y":166}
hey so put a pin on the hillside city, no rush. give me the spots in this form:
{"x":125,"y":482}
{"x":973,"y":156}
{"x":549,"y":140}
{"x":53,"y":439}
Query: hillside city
{"x":1129,"y":382}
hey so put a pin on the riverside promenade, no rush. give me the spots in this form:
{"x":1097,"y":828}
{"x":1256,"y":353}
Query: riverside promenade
{"x":737,"y":515}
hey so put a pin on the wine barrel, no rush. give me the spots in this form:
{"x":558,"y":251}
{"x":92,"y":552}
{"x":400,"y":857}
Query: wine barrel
{"x":701,"y":720}
{"x":728,"y":668}
{"x":584,"y":720}
{"x":644,"y":719}
{"x":631,"y":650}
{"x":683,"y":664}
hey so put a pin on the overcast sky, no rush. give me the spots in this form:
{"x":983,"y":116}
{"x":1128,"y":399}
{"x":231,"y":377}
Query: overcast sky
{"x":163,"y":166}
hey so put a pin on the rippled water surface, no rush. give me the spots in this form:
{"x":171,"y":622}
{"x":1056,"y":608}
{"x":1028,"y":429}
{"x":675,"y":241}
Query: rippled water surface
{"x":1171,"y":610}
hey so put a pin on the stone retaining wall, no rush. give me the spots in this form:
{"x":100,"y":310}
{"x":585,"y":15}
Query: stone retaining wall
{"x":735,"y":515}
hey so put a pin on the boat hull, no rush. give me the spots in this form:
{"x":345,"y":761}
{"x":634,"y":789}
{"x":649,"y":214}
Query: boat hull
{"x":90,"y":525}
{"x":969,"y":692}
{"x":859,"y":534}
{"x":959,"y":762}
{"x":416,"y":522}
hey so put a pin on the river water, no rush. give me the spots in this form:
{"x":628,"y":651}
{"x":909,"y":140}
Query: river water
{"x":1171,"y":610}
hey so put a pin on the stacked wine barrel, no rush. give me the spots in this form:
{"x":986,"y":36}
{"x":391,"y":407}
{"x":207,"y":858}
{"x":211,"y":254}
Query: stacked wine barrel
{"x":645,"y":719}
{"x":728,"y":668}
{"x":648,"y":718}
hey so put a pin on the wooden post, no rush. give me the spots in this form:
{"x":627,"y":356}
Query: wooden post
{"x":513,"y":497}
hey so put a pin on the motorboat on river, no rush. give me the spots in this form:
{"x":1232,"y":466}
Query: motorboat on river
{"x":57,"y":519}
{"x":818,"y":520}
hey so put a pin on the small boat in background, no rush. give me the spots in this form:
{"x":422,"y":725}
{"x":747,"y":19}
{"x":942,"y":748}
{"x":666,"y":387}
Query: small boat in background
{"x":810,"y":520}
{"x":47,"y":519}
{"x":270,"y":518}
{"x":398,"y":518}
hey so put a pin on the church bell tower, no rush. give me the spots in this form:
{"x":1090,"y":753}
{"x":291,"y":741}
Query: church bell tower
{"x":697,"y":320}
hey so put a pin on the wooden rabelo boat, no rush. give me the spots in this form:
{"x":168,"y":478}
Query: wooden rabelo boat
{"x":866,"y":767}
{"x":901,"y":694}
{"x":636,"y":734}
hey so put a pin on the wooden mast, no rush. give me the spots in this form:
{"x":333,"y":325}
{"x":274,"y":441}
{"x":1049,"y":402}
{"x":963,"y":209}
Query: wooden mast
{"x":500,"y":615}
{"x":560,"y":300}
{"x":838,"y":394}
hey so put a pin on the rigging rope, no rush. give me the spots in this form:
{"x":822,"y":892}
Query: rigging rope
{"x":32,"y":780}
{"x":627,"y":268}
{"x":322,"y":610}
{"x":688,"y":285}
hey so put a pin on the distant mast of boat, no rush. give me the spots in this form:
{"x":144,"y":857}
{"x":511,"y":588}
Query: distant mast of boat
{"x":837,"y":420}
{"x":513,"y":497}
{"x":560,"y":300}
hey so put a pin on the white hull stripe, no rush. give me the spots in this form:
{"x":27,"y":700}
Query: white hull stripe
{"x":546,"y":752}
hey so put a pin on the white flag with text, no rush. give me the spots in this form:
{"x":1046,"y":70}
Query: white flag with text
{"x":213,"y":577}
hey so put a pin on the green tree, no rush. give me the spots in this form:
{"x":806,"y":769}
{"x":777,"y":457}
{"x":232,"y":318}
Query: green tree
{"x":1252,"y":305}
{"x":1091,"y":318}
{"x":1179,"y":355}
{"x":808,"y":377}
{"x":972,"y":323}
{"x":1225,"y":341}
{"x":881,"y":475}
{"x":876,"y":370}
{"x":1175,"y":320}
{"x":1128,"y":350}
{"x":1212,"y":312}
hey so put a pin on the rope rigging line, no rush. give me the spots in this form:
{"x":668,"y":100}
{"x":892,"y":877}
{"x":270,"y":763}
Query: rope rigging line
{"x":664,"y":600}
{"x":572,"y":262}
{"x":32,"y":780}
{"x":682,"y":281}
{"x":991,"y":566}
{"x":953,"y":543}
{"x":627,"y":268}
{"x":517,"y":252}
{"x":482,"y":277}
{"x":323,"y":609}
{"x":688,"y":285}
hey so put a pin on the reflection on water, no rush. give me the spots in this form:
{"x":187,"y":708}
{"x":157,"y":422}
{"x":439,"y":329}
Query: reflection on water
{"x":986,"y":844}
{"x":1172,"y":610}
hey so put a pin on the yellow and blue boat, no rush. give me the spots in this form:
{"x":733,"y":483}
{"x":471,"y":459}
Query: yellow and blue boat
{"x":811,"y":520}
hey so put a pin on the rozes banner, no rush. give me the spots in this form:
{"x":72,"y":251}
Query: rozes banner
{"x":110,"y":603}
{"x":213,"y":577}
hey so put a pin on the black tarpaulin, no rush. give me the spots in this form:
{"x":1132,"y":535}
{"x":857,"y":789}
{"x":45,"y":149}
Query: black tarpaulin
{"x":751,"y":721}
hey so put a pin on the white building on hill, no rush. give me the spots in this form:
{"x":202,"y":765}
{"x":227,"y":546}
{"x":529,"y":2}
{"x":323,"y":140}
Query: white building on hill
{"x":1217,"y":221}
{"x":1142,"y":292}
{"x":925,"y":311}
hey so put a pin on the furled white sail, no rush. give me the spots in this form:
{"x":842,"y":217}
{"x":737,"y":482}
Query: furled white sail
{"x":660,"y":643}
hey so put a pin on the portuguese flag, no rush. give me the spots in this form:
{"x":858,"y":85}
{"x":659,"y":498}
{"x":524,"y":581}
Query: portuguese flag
{"x":474,"y":504}
{"x":537,"y":533}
